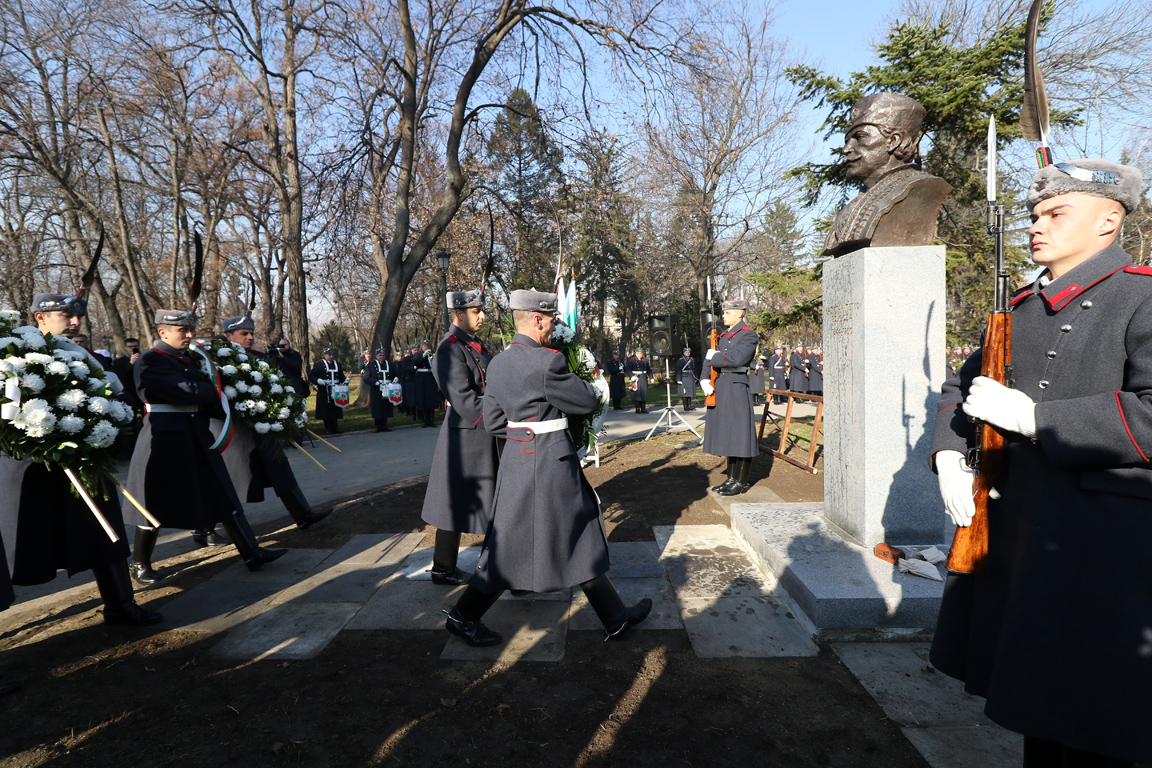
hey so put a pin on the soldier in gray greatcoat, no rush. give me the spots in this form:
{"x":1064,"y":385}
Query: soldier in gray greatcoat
{"x":686,"y":379}
{"x":546,"y":532}
{"x":375,"y":378}
{"x":463,"y":476}
{"x":729,"y":427}
{"x":326,"y":374}
{"x":756,"y":378}
{"x":175,"y":473}
{"x":427,"y":393}
{"x":778,"y":373}
{"x":798,"y":370}
{"x":1056,"y":632}
{"x":638,"y":368}
{"x":45,"y":526}
{"x":815,"y":361}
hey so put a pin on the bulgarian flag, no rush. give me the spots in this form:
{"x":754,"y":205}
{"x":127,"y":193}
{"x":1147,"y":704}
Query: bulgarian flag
{"x":569,"y":313}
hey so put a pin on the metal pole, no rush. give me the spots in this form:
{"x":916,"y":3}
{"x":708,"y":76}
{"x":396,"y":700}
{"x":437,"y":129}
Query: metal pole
{"x":444,"y":292}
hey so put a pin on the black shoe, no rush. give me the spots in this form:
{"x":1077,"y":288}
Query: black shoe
{"x":143,"y":573}
{"x":724,"y":485}
{"x":209,"y":538}
{"x":473,"y":633}
{"x":311,"y":517}
{"x":8,"y":685}
{"x":263,"y":556}
{"x":384,"y":429}
{"x":735,"y":489}
{"x":632,"y":617}
{"x":451,"y":578}
{"x":132,"y":615}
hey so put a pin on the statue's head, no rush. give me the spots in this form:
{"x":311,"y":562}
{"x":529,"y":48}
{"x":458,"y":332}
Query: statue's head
{"x":883,"y":132}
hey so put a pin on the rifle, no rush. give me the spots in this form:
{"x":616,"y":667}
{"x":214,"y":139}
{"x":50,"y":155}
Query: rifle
{"x":970,"y":545}
{"x":713,"y":342}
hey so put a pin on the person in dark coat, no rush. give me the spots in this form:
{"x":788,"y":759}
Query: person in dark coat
{"x":462,"y":481}
{"x":427,"y":393}
{"x":815,"y":363}
{"x":375,"y":377}
{"x":326,"y":374}
{"x":402,"y":370}
{"x":686,"y":379}
{"x":7,"y":597}
{"x":256,"y":462}
{"x":292,"y":364}
{"x":547,"y":532}
{"x":45,"y":527}
{"x":175,"y":473}
{"x":122,"y":367}
{"x":756,"y":379}
{"x":729,"y":428}
{"x":1056,"y":632}
{"x":778,"y":373}
{"x":798,"y":370}
{"x":616,"y":377}
{"x":639,"y":369}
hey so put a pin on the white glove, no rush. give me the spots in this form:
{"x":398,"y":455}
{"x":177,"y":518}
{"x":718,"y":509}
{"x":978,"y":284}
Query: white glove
{"x":709,"y":355}
{"x":395,"y":381}
{"x":956,"y":486}
{"x":1003,"y":408}
{"x":707,"y":387}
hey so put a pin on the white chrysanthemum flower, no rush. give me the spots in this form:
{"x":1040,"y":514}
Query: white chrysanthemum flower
{"x":224,"y":352}
{"x":35,"y":418}
{"x":17,"y":364}
{"x":250,"y":405}
{"x":103,"y":435}
{"x":257,"y":376}
{"x":563,"y":333}
{"x":302,"y":419}
{"x":228,"y":370}
{"x":285,"y":413}
{"x":95,"y":385}
{"x":70,"y":354}
{"x":79,"y":369}
{"x":254,"y":389}
{"x":57,"y":368}
{"x":261,"y":406}
{"x":70,"y":424}
{"x":241,"y":387}
{"x":98,"y":405}
{"x":245,"y":367}
{"x":276,"y":389}
{"x":33,"y":340}
{"x":32,"y":382}
{"x":230,"y":391}
{"x":276,"y":427}
{"x":261,"y":428}
{"x":120,"y":412}
{"x":12,"y":341}
{"x":39,"y":358}
{"x":10,"y":315}
{"x":242,"y":358}
{"x":33,"y":406}
{"x":263,"y":365}
{"x":289,"y":400}
{"x":273,"y":378}
{"x":71,"y":400}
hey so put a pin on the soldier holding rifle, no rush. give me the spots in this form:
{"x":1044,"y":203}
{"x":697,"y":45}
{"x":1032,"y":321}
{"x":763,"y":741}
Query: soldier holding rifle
{"x":730,"y":430}
{"x":1055,"y":628}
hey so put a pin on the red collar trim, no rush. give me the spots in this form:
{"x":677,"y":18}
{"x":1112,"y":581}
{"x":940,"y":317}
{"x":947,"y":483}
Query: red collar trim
{"x":1020,"y":295}
{"x":1062,"y":299}
{"x":735,"y":331}
{"x":1138,"y":270}
{"x":181,"y":358}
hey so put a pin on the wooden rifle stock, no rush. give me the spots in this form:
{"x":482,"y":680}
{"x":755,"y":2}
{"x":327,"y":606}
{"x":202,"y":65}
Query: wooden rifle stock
{"x":713,"y":342}
{"x":970,"y":545}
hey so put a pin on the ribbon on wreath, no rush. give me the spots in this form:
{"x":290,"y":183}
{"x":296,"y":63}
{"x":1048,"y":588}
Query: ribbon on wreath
{"x":225,"y":438}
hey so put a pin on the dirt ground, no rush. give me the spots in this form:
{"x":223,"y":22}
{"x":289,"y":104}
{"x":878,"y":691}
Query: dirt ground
{"x":103,"y":696}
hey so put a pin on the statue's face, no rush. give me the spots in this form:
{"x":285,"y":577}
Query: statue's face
{"x":866,"y":151}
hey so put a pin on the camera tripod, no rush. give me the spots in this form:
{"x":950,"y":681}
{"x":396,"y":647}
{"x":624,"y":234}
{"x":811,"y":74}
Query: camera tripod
{"x":668,"y":412}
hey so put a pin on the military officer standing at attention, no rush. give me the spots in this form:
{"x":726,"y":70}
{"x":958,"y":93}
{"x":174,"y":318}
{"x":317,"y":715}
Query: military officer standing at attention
{"x":815,"y":363}
{"x":45,"y":526}
{"x":639,"y":368}
{"x":616,"y":377}
{"x":254,"y":461}
{"x":798,"y":370}
{"x":463,"y":475}
{"x":175,"y":473}
{"x":547,"y":532}
{"x":778,"y":373}
{"x":427,"y":393}
{"x":326,"y":374}
{"x":756,"y":378}
{"x":375,"y":377}
{"x":1056,"y":632}
{"x":729,"y":429}
{"x":686,"y":379}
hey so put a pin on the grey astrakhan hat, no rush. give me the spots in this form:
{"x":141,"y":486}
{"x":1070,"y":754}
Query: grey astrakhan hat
{"x":329,"y":351}
{"x":736,"y":304}
{"x":243,"y":323}
{"x":174,"y":317}
{"x":532,"y":301}
{"x":1088,"y":176}
{"x":58,"y":302}
{"x":463,"y":299}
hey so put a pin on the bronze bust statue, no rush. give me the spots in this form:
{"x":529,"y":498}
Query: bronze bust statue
{"x":899,"y":204}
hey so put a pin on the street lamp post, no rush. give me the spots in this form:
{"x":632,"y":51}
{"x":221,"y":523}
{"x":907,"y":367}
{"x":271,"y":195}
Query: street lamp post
{"x":442,"y":260}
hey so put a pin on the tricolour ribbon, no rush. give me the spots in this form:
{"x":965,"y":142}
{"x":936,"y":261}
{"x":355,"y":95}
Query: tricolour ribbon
{"x":225,"y":437}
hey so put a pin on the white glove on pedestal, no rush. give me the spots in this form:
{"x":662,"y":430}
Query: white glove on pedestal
{"x":956,"y":486}
{"x":707,"y":387}
{"x":1003,"y":408}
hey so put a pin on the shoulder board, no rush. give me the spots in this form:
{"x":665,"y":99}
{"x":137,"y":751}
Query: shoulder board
{"x":1138,"y":270}
{"x":451,"y":338}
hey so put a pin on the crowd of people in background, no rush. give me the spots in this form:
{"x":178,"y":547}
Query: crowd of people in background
{"x":956,"y":357}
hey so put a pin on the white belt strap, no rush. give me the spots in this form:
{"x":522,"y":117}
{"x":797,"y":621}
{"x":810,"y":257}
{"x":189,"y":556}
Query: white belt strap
{"x":738,"y":369}
{"x":423,"y":370}
{"x":166,"y":408}
{"x":540,"y":427}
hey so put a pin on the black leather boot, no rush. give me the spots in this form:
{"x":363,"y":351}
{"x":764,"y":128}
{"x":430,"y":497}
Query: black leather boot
{"x":298,"y":507}
{"x":464,"y":618}
{"x":444,"y":556}
{"x":245,"y":540}
{"x":208,"y":537}
{"x":743,"y":469}
{"x":331,"y":428}
{"x":605,"y":600}
{"x":119,"y":604}
{"x":141,"y":567}
{"x":727,"y":482}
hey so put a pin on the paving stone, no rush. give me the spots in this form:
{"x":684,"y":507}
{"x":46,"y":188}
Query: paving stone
{"x":289,"y":569}
{"x":897,"y":676}
{"x":665,"y":610}
{"x":634,"y":560}
{"x":533,"y":631}
{"x":707,"y":561}
{"x":292,"y":631}
{"x":375,"y":549}
{"x":750,"y":627}
{"x":403,"y":604}
{"x":338,"y":584}
{"x":418,"y":564}
{"x":215,"y":606}
{"x":970,"y":746}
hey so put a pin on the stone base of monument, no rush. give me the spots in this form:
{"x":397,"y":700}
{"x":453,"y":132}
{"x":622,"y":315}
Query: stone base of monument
{"x":847,"y":593}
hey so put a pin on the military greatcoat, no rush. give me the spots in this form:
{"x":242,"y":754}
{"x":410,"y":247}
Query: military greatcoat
{"x":425,"y":394}
{"x":777,"y":372}
{"x":642,"y":371}
{"x":729,"y":428}
{"x":616,"y":375}
{"x":756,"y":376}
{"x":326,"y":408}
{"x":174,"y":473}
{"x":546,"y":531}
{"x":463,"y":476}
{"x":1056,"y":632}
{"x":686,"y":376}
{"x":815,"y":374}
{"x":797,"y":375}
{"x":375,"y":375}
